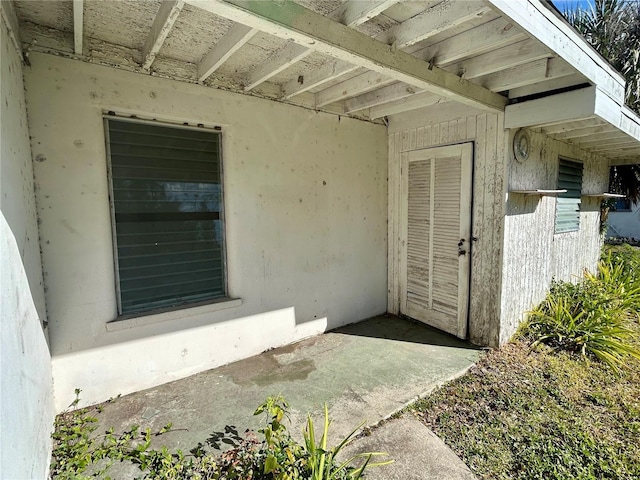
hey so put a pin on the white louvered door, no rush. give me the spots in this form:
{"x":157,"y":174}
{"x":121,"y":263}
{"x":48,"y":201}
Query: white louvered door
{"x":436,"y":236}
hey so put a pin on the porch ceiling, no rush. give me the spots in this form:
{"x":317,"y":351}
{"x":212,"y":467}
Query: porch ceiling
{"x":366,"y":59}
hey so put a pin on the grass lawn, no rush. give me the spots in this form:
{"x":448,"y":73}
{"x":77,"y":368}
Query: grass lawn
{"x":538,"y":413}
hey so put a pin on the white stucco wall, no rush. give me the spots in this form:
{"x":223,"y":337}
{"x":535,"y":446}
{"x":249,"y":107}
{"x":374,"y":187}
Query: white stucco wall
{"x":26,"y":396}
{"x":306,"y":213}
{"x":533,"y":253}
{"x":625,"y":224}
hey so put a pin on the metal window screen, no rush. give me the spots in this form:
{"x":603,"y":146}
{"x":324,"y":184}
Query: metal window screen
{"x":167,"y":207}
{"x":568,"y":204}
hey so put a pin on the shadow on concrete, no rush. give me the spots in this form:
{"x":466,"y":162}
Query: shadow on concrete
{"x":403,"y":329}
{"x":230,"y":438}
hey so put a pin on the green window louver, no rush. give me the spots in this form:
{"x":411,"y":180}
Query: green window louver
{"x":568,"y":203}
{"x":167,"y":207}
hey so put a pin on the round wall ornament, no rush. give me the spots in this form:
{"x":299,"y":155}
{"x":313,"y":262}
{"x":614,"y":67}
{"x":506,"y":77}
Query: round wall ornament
{"x":521,"y":145}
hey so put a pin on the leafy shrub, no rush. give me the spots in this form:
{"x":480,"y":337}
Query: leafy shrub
{"x":628,"y":259}
{"x":77,"y":450}
{"x":597,"y":316}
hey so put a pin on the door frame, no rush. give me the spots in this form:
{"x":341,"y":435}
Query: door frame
{"x":466,"y":150}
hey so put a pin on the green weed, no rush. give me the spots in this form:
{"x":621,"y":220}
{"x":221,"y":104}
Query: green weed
{"x":594,"y":317}
{"x":78,"y":453}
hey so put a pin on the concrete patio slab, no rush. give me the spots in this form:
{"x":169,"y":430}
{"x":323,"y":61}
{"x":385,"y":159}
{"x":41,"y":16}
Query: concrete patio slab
{"x":417,"y":452}
{"x":365,"y":372}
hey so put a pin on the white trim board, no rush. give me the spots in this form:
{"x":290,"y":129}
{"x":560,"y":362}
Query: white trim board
{"x":580,"y":104}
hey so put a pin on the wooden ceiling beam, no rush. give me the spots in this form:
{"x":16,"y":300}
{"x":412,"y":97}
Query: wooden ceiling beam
{"x":229,"y":44}
{"x":357,"y":12}
{"x":432,"y":21}
{"x":526,"y":74}
{"x":78,"y":22}
{"x":327,"y":72}
{"x":162,"y":25}
{"x":500,"y":59}
{"x":351,"y":13}
{"x":485,"y":38}
{"x":414,"y":102}
{"x":281,"y":60}
{"x":352,"y":87}
{"x":584,"y":132}
{"x":515,"y":76}
{"x":291,"y":21}
{"x":380,"y":96}
{"x":437,"y":19}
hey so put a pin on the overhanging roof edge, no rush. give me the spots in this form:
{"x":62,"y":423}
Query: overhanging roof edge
{"x":543,"y":24}
{"x":574,"y":106}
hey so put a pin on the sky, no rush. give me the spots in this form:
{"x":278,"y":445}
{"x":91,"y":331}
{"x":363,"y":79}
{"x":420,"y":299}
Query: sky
{"x":563,"y":5}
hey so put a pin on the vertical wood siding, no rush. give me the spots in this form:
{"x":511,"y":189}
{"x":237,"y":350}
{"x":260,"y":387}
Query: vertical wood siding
{"x":486,"y":131}
{"x":533,"y":254}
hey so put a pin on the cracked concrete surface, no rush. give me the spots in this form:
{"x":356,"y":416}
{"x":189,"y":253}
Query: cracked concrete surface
{"x":365,"y":372}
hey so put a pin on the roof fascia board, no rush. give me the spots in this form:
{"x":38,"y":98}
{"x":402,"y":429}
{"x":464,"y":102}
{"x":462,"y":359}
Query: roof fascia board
{"x":630,"y":122}
{"x":570,"y":106}
{"x":541,"y":23}
{"x":289,"y":20}
{"x":563,"y":107}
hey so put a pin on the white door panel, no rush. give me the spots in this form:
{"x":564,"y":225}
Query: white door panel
{"x":436,"y":236}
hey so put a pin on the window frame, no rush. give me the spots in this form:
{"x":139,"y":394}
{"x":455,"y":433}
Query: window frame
{"x":222,"y":217}
{"x":555,"y":217}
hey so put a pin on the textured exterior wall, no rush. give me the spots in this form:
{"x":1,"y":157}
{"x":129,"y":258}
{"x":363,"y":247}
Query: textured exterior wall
{"x":306,"y":215}
{"x":533,"y":254}
{"x":486,"y":131}
{"x":26,"y":394}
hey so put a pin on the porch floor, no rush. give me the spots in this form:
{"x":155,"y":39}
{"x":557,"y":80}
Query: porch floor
{"x":364,"y":371}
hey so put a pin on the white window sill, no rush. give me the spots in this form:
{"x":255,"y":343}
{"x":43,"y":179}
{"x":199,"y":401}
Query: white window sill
{"x":132,"y":322}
